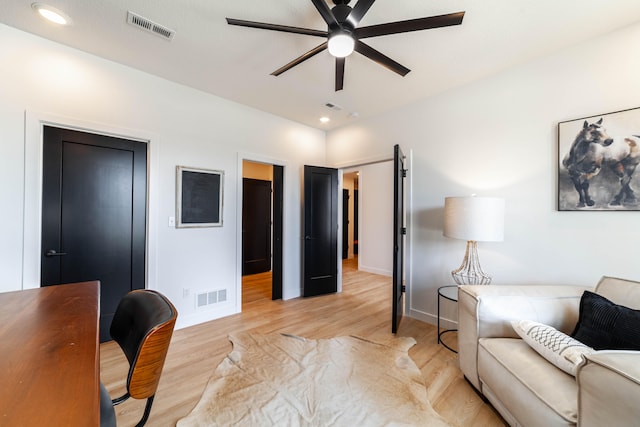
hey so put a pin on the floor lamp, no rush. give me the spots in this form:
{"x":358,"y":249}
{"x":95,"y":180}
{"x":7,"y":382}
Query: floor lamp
{"x":474,"y":219}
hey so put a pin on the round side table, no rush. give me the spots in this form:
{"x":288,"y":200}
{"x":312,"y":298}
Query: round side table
{"x":449,"y":293}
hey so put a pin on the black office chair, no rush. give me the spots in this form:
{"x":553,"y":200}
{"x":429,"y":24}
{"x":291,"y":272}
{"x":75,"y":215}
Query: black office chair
{"x":142,"y":325}
{"x":107,"y":414}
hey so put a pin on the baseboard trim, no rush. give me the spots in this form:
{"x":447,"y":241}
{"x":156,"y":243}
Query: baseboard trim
{"x":432,"y":319}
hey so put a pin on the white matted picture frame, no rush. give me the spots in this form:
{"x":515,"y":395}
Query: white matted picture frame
{"x":597,"y":162}
{"x":199,"y":197}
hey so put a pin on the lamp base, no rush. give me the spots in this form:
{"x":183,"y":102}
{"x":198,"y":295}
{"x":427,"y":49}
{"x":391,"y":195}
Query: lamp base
{"x":470,"y":272}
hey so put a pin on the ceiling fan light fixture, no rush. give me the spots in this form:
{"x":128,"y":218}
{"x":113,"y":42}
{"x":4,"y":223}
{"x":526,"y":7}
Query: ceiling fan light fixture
{"x":344,"y":35}
{"x":341,"y":44}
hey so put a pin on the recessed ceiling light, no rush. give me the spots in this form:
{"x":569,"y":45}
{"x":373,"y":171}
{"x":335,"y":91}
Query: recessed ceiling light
{"x":51,"y":13}
{"x":324,"y":119}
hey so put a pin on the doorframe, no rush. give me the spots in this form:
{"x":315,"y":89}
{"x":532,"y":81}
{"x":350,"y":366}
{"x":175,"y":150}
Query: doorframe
{"x":32,"y":204}
{"x":257,"y":158}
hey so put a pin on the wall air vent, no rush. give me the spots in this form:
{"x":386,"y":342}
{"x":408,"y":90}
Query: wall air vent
{"x":208,"y":298}
{"x":150,"y":26}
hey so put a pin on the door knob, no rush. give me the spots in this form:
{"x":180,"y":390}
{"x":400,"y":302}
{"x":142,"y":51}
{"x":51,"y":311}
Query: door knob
{"x":52,"y":252}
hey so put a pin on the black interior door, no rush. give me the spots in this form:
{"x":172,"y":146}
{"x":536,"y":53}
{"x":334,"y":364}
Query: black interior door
{"x":256,"y":226}
{"x":355,"y":222}
{"x":399,"y":231}
{"x":278,"y":226}
{"x":345,"y":223}
{"x":320,"y":253}
{"x":94,"y":214}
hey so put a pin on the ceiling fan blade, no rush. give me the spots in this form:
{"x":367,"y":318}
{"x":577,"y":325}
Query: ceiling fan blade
{"x":326,"y":13}
{"x":358,"y":11}
{"x":316,"y":50}
{"x":276,"y":27}
{"x":380,"y":58}
{"x":410,"y":25}
{"x":339,"y":73}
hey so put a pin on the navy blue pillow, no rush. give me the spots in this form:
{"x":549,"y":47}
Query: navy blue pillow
{"x":604,"y":325}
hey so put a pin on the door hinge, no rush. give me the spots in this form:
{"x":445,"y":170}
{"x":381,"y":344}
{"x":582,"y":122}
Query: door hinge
{"x":404,"y":288}
{"x":404,"y":173}
{"x":404,"y":230}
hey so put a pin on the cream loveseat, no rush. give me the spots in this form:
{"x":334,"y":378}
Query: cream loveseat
{"x":523,"y":386}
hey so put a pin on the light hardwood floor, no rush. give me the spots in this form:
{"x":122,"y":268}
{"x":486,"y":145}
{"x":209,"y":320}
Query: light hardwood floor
{"x":362,"y":309}
{"x":256,"y":287}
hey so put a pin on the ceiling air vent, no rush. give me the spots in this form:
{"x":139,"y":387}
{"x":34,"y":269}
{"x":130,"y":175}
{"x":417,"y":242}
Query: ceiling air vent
{"x":150,"y":26}
{"x":333,"y":106}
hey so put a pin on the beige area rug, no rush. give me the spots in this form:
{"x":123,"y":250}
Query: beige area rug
{"x":284,"y":380}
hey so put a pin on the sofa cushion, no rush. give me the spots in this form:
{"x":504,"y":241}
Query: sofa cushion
{"x":604,"y":325}
{"x":609,"y":385}
{"x":620,"y":291}
{"x":535,"y":392}
{"x":557,"y":347}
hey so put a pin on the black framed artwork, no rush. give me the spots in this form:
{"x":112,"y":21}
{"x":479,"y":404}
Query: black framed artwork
{"x":199,"y":197}
{"x":597,"y":162}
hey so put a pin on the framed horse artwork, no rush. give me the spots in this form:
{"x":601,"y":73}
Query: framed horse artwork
{"x":597,"y":161}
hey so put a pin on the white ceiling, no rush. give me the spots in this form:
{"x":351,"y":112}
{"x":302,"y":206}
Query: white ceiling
{"x":235,"y":62}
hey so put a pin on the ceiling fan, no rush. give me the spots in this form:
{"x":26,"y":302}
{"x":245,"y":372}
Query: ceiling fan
{"x":344,"y":36}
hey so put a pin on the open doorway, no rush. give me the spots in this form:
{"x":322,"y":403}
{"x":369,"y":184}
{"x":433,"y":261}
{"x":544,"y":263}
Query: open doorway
{"x":350,"y":181}
{"x":370,"y":234}
{"x":369,"y":211}
{"x":262,"y":205}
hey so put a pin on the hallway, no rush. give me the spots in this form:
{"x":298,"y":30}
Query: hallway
{"x":257,"y":287}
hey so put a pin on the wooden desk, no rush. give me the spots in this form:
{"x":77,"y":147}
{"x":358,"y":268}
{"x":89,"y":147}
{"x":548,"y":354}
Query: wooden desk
{"x":49,"y":356}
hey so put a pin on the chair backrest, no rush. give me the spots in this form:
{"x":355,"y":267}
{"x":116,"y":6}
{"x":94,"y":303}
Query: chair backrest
{"x":142,"y":325}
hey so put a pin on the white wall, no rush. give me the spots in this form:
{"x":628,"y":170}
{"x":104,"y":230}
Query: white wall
{"x":497,"y":137}
{"x":375,"y":235}
{"x":56,"y":84}
{"x":11,"y":194}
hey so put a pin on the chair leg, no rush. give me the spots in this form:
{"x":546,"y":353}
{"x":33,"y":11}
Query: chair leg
{"x":119,"y":400}
{"x":147,"y":411}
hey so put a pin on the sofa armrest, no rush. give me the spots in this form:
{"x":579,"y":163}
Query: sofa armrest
{"x":609,"y":389}
{"x":487,"y":311}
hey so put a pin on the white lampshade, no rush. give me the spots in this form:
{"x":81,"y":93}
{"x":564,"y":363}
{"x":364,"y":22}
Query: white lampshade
{"x":341,"y":44}
{"x":479,"y":219}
